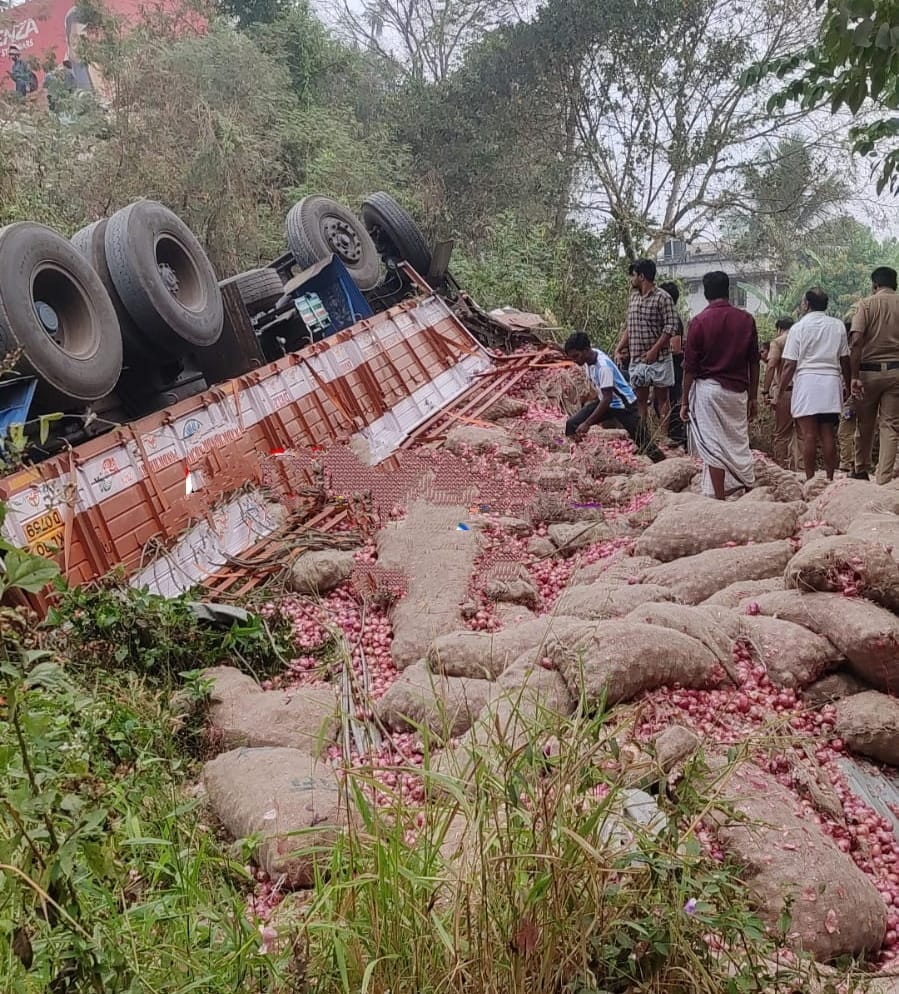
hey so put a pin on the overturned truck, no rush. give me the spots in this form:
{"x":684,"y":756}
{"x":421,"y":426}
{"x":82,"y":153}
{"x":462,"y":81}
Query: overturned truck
{"x":147,"y":400}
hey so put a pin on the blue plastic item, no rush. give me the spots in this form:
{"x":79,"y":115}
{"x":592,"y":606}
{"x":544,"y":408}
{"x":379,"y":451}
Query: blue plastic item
{"x":340,"y":296}
{"x":15,"y":402}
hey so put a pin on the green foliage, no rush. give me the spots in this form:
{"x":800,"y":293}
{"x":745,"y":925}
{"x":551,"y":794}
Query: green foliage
{"x":109,"y":882}
{"x":787,"y":192}
{"x":844,"y":255}
{"x":576,"y":279}
{"x":549,"y":889}
{"x":854,"y":59}
{"x":118,"y":627}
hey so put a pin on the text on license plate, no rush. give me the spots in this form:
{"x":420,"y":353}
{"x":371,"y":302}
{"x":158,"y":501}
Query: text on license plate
{"x":42,"y":533}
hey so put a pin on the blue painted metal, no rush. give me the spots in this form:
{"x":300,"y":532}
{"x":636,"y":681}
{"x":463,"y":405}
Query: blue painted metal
{"x":339,"y":295}
{"x":15,"y":402}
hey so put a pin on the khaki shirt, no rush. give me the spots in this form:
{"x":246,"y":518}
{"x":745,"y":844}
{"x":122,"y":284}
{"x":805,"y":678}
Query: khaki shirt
{"x":877,"y":321}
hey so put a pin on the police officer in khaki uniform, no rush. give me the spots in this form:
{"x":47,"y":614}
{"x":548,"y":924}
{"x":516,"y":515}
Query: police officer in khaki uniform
{"x":874,"y":359}
{"x":785,"y":444}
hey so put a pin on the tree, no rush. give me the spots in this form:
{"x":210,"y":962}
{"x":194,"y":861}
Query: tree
{"x":785,"y":195}
{"x":656,"y":115}
{"x":426,"y":39}
{"x":853,"y":62}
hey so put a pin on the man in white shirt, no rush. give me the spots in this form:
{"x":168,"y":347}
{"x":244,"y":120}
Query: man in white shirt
{"x":616,"y":401}
{"x":816,"y":366}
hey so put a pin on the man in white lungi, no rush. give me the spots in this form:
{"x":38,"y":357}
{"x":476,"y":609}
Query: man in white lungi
{"x":721,"y":382}
{"x":816,"y":372}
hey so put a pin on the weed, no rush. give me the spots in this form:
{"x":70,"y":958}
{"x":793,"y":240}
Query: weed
{"x":527,"y":878}
{"x":113,"y":625}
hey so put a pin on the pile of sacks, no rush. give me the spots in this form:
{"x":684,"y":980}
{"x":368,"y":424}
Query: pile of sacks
{"x":806,"y":577}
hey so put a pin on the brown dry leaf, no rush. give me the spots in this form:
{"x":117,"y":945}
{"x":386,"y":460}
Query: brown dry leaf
{"x":527,"y":936}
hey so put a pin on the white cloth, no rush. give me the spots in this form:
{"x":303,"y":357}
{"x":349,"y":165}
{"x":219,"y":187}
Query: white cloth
{"x":719,"y":434}
{"x":816,"y":343}
{"x":816,"y":393}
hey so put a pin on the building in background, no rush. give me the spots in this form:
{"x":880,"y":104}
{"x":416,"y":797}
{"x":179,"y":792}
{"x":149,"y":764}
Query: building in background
{"x":687,"y":264}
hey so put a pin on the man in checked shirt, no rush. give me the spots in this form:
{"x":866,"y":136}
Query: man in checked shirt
{"x":650,"y":326}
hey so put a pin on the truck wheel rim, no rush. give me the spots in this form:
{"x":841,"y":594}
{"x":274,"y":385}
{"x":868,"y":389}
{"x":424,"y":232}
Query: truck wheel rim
{"x":69,"y":321}
{"x":343,"y":239}
{"x":179,"y":273}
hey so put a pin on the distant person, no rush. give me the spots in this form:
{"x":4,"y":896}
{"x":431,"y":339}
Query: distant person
{"x":784,"y":447}
{"x":721,"y":381}
{"x":59,"y":83}
{"x":21,"y":73}
{"x":874,"y":361}
{"x":846,"y":431}
{"x":816,"y":366}
{"x":651,"y":324}
{"x":677,"y":430}
{"x":615,"y":401}
{"x":764,"y":349}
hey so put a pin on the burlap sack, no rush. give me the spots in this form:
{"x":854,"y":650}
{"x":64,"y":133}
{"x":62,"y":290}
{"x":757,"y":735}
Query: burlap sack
{"x":568,"y":538}
{"x":830,"y":563}
{"x":673,"y":474}
{"x":618,"y":570}
{"x":446,"y":706}
{"x":882,"y":528}
{"x":241,"y":713}
{"x":846,"y":500}
{"x":429,"y":535}
{"x":734,"y":593}
{"x":832,"y":688}
{"x":793,"y":656}
{"x":692,"y":621}
{"x":835,"y":909}
{"x":695,"y":578}
{"x":317,"y":573}
{"x":291,"y":801}
{"x":869,"y":724}
{"x":599,"y":601}
{"x":481,"y":655}
{"x":673,"y":745}
{"x":526,"y":680}
{"x":703,"y":523}
{"x":622,"y":659}
{"x":809,"y":533}
{"x":785,"y":486}
{"x":867,"y":635}
{"x":462,"y":439}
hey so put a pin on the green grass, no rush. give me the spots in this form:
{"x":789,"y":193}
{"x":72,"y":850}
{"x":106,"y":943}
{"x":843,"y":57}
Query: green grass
{"x":551,"y":894}
{"x":522,"y":879}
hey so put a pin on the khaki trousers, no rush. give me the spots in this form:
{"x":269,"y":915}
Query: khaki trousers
{"x":846,"y":440}
{"x":880,"y":403}
{"x":785,"y":445}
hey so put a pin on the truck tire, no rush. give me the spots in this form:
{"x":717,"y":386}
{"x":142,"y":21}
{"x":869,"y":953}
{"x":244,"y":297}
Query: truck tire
{"x":395,"y":233}
{"x":259,"y":289}
{"x":318,"y":226}
{"x":90,"y":242}
{"x":55,"y":309}
{"x":163,"y":278}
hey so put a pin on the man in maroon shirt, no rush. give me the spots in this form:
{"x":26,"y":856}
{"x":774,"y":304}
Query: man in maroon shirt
{"x":721,"y":381}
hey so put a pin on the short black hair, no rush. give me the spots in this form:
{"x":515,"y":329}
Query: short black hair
{"x":884,"y":276}
{"x":816,"y":299}
{"x":577,"y":341}
{"x":672,"y":290}
{"x":784,"y":324}
{"x":716,"y":285}
{"x":643,"y":267}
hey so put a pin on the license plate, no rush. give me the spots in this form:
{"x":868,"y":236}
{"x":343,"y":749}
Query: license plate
{"x":41,"y":533}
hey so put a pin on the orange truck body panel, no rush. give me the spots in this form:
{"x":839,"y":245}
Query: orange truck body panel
{"x":170,"y":496}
